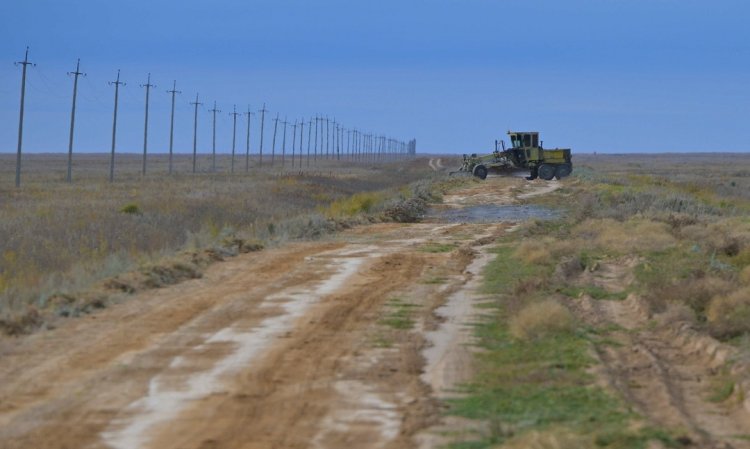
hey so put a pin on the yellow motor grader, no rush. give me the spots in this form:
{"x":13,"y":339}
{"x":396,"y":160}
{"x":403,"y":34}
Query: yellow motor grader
{"x":526,"y":153}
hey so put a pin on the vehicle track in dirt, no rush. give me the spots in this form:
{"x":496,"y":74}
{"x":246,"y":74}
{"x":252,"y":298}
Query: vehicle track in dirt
{"x":289,"y":347}
{"x":661,"y":377}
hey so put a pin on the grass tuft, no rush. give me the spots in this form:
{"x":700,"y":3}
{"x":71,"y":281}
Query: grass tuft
{"x":541,"y":319}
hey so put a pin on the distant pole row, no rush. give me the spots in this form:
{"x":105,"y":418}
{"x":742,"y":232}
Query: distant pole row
{"x":326,"y":138}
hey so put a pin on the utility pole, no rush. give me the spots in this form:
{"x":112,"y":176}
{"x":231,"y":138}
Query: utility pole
{"x":315,"y":148}
{"x":195,"y":131}
{"x":148,"y":87}
{"x":171,"y":124}
{"x":348,"y":143}
{"x":336,"y":140}
{"x":294,"y":143}
{"x":309,"y":135}
{"x":75,"y":74}
{"x":114,"y":127}
{"x":23,"y":63}
{"x":328,"y":136}
{"x":283,"y":143}
{"x":262,"y":127}
{"x":301,"y":135}
{"x":234,"y":115}
{"x":273,"y":145}
{"x":247,"y":144}
{"x":213,"y":145}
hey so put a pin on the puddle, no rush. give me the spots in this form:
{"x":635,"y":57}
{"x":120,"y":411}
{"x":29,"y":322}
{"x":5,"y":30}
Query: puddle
{"x":490,"y":213}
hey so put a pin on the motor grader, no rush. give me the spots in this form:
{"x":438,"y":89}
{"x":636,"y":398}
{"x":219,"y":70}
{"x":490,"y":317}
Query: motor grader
{"x":525,"y":153}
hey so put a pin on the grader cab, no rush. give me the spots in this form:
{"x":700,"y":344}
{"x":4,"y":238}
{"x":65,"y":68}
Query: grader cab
{"x":526,"y":151}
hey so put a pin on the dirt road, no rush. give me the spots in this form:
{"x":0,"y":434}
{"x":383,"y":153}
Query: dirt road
{"x":342,"y":343}
{"x":314,"y":344}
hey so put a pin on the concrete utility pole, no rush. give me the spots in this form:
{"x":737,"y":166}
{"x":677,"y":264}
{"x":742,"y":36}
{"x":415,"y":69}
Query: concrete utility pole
{"x":114,"y":127}
{"x":294,"y":143}
{"x":171,"y":123}
{"x":336,"y":138}
{"x":273,"y":145}
{"x":309,"y":135}
{"x":315,"y":148}
{"x":283,"y":143}
{"x":328,"y":137}
{"x":213,"y":145}
{"x":234,"y":115}
{"x":247,"y":143}
{"x":195,"y":131}
{"x":349,"y":144}
{"x":75,"y":74}
{"x":23,"y":64}
{"x":301,"y":135}
{"x":262,"y":127}
{"x":148,"y":87}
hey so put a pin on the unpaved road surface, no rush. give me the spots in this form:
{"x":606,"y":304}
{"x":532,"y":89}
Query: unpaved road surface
{"x":344,"y":343}
{"x":316,"y":344}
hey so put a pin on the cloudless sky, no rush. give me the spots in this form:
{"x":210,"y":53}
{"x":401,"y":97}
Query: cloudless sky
{"x":594,"y":75}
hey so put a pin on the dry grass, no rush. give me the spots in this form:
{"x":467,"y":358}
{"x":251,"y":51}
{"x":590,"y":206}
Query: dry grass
{"x":729,"y":315}
{"x":58,"y":238}
{"x":745,"y":275}
{"x":541,"y":319}
{"x":629,"y":237}
{"x":552,"y":438}
{"x":533,"y":252}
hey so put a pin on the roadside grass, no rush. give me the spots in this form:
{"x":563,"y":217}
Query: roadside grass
{"x":435,"y":247}
{"x":595,"y":291}
{"x":684,"y":226}
{"x":399,"y":314}
{"x":60,"y":240}
{"x":539,"y":380}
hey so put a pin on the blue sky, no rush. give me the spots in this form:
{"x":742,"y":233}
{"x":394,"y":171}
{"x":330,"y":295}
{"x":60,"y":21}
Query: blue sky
{"x":595,"y":75}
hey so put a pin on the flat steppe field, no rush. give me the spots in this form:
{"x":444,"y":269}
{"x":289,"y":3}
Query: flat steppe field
{"x":376,"y":305}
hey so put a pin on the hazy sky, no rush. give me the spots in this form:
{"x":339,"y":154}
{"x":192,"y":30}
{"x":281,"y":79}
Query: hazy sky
{"x":595,"y":75}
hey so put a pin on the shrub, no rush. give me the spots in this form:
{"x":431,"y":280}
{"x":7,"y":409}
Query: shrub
{"x":131,"y":209}
{"x":729,"y":315}
{"x":533,"y":252}
{"x":632,"y":236}
{"x":745,"y":275}
{"x":541,"y":319}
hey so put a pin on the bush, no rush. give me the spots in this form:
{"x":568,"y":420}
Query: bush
{"x":533,"y":252}
{"x":541,"y":319}
{"x":729,"y":316}
{"x":745,"y":275}
{"x":131,"y":209}
{"x":632,"y":236}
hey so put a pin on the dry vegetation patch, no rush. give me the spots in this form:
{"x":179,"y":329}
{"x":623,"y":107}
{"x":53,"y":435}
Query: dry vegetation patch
{"x":541,"y":319}
{"x":60,"y":240}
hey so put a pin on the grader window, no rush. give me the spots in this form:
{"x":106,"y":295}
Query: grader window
{"x":527,"y":140}
{"x":534,"y":140}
